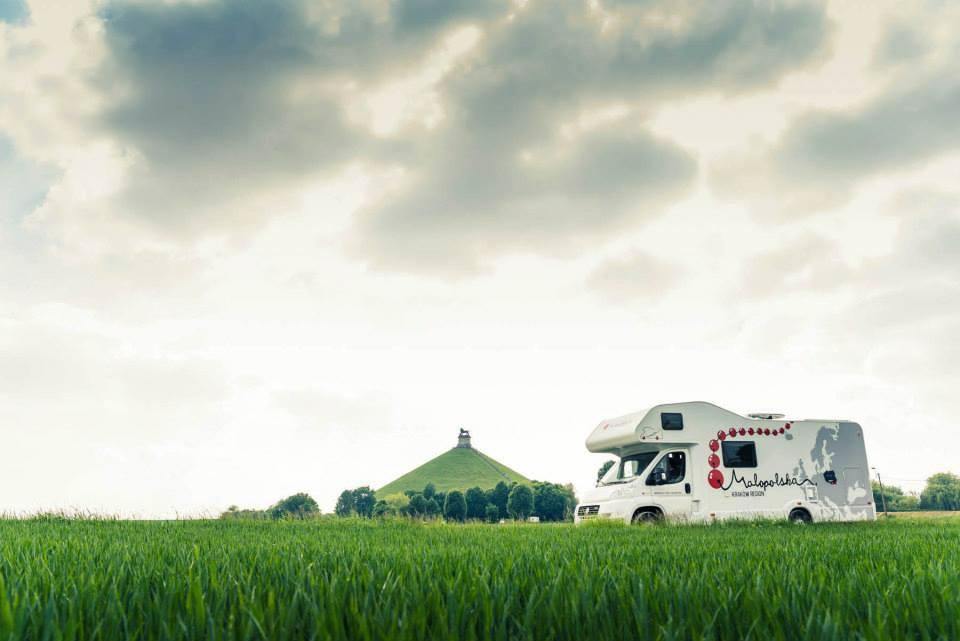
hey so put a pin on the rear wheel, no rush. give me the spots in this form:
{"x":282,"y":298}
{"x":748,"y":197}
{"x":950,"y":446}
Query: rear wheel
{"x":800,"y":516}
{"x":647,"y":517}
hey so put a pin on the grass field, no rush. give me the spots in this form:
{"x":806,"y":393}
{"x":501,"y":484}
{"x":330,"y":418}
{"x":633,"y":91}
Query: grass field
{"x":61,"y":579}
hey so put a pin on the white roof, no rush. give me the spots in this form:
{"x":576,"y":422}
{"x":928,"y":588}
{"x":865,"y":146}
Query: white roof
{"x":614,"y":434}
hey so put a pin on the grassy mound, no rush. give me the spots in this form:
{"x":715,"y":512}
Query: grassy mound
{"x":456,"y":469}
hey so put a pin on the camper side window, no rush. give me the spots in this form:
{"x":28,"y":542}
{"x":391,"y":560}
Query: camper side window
{"x":671,"y":420}
{"x":739,"y":454}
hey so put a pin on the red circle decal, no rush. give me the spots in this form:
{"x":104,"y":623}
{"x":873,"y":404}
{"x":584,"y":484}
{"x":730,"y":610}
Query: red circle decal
{"x":766,"y":431}
{"x":722,"y":435}
{"x":715,"y":479}
{"x":713,"y":460}
{"x":742,"y":431}
{"x":750,"y":431}
{"x":733,"y":432}
{"x":714,"y":445}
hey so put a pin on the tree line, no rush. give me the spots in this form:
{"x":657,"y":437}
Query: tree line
{"x":296,"y":506}
{"x":942,"y":492}
{"x":546,"y":501}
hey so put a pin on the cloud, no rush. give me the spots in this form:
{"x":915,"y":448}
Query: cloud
{"x":915,"y":283}
{"x":810,"y":262}
{"x":23,"y":183}
{"x":211,"y":118}
{"x":634,"y":277}
{"x":497,"y":176}
{"x":205,"y":98}
{"x":485,"y":201}
{"x":900,"y":44}
{"x":824,"y":155}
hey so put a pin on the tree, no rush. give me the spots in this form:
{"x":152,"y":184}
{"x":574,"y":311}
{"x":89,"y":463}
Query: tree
{"x":549,"y":501}
{"x":364,"y":500}
{"x":344,"y":504}
{"x":498,"y":496}
{"x":941,"y":493}
{"x":455,"y":506}
{"x":429,"y":491}
{"x":604,"y":469}
{"x":433,"y":508}
{"x":520,"y":502}
{"x":300,"y":505}
{"x":397,"y":504}
{"x":234,"y":512}
{"x":418,"y":505}
{"x":896,"y":499}
{"x":907,"y":503}
{"x":571,"y":494}
{"x":476,"y":503}
{"x":493,"y":513}
{"x":889,"y":492}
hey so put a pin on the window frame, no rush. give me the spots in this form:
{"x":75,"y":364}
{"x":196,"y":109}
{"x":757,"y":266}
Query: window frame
{"x":723,"y":453}
{"x":654,"y":465}
{"x":631,"y":457}
{"x":664,"y":423}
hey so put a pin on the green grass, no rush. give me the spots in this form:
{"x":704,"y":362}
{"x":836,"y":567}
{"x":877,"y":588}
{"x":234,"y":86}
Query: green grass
{"x":455,"y":469}
{"x":329,"y":579}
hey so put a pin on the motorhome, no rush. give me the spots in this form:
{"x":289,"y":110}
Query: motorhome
{"x":696,"y":461}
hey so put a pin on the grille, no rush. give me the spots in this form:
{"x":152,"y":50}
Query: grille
{"x":588,"y":510}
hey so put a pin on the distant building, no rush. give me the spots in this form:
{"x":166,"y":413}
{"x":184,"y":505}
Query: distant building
{"x":464,"y":439}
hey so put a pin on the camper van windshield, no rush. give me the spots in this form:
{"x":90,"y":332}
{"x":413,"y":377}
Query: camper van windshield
{"x":629,"y":468}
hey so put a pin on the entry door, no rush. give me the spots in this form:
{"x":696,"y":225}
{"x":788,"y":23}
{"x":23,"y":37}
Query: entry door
{"x":669,"y":483}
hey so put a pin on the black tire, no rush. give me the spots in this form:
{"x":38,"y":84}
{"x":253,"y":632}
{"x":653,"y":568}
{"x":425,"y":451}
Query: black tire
{"x":647,"y":517}
{"x":800,"y":516}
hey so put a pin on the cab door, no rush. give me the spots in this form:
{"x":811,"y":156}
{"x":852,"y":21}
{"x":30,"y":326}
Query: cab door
{"x":669,"y":483}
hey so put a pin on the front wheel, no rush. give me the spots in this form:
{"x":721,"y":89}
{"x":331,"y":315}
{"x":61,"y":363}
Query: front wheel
{"x":800,"y":516}
{"x":647,"y":517}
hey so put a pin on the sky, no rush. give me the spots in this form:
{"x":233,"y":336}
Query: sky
{"x":255,"y":247}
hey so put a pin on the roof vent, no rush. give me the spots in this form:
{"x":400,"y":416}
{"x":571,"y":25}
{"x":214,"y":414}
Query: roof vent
{"x":765,"y":415}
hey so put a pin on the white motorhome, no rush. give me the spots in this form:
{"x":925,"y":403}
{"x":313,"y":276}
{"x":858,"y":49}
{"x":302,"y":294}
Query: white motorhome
{"x":696,"y":461}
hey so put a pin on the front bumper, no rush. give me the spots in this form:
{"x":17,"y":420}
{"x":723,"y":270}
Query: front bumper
{"x":609,"y":509}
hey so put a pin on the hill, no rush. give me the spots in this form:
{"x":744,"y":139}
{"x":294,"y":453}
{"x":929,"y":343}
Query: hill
{"x":459,"y":468}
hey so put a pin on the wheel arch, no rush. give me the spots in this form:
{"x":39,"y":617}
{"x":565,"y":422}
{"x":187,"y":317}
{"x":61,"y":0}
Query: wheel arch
{"x":648,"y":507}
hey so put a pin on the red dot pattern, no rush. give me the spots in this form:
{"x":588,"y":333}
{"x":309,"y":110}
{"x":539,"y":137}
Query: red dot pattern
{"x":715,"y":479}
{"x":715,"y":476}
